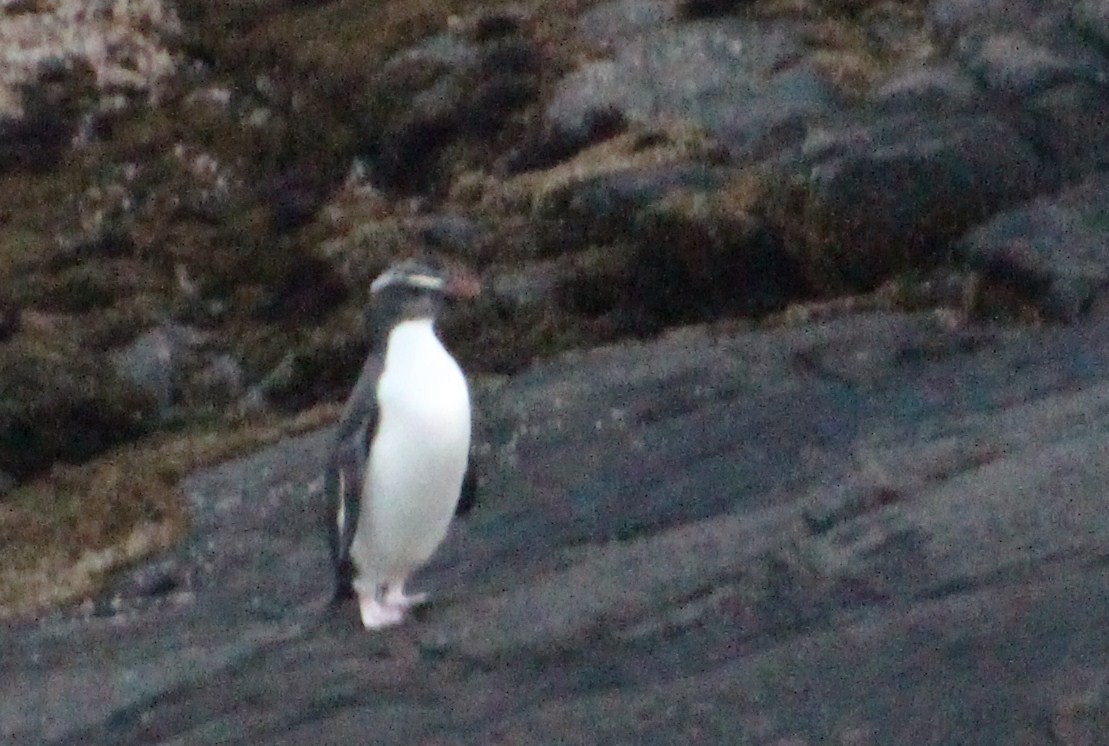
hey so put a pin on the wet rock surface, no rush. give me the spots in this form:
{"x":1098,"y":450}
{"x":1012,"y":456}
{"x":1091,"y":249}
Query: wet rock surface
{"x":877,"y":528}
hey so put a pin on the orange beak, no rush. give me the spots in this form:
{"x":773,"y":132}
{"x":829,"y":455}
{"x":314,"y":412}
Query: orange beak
{"x":462,"y":284}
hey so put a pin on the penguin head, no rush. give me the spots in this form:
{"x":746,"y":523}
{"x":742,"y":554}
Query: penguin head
{"x":415,"y":289}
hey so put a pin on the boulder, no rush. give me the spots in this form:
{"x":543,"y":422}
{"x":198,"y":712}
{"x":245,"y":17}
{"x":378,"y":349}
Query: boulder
{"x":1013,"y":64}
{"x":970,"y":17}
{"x":1053,"y":250}
{"x":454,"y":87}
{"x":611,"y":23}
{"x":156,"y":361}
{"x":58,"y":406}
{"x":1092,"y":18}
{"x":748,"y":85}
{"x":940,"y":87}
{"x":864,"y":201}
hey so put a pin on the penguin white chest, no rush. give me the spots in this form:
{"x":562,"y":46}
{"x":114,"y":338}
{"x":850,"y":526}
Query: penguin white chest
{"x":418,"y":454}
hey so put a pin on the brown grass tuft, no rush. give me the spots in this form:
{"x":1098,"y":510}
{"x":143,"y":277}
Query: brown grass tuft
{"x":63,"y":534}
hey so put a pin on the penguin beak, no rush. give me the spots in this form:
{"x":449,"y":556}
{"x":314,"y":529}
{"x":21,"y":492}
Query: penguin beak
{"x":462,"y":284}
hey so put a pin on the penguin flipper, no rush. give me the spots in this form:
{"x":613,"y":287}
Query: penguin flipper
{"x":467,"y":498}
{"x":345,"y":474}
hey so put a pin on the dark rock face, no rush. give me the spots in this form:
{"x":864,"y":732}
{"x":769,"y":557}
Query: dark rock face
{"x":1067,"y":127}
{"x":1092,"y":18}
{"x":52,"y":106}
{"x":448,"y":88}
{"x":55,"y":409}
{"x":882,"y":527}
{"x":879,"y":198}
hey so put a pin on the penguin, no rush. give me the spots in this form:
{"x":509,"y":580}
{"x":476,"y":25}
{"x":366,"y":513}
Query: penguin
{"x":400,"y":454}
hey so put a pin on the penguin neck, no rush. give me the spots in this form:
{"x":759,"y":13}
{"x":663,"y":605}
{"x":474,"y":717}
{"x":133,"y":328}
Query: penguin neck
{"x":419,"y":374}
{"x":381,"y":334}
{"x":389,"y":310}
{"x":413,"y":336}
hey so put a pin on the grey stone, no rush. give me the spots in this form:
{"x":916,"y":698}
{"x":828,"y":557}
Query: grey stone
{"x":740,"y":81}
{"x":1014,"y":64}
{"x":616,"y":21}
{"x":612,"y":201}
{"x":530,"y":288}
{"x":446,"y":50}
{"x":959,"y":17}
{"x":155,"y":362}
{"x":1055,"y":250}
{"x":934,"y":87}
{"x":152,"y":582}
{"x":1092,"y":18}
{"x":888,"y":195}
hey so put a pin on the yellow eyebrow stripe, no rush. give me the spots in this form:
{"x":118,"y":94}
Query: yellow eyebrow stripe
{"x":424,"y":282}
{"x":428,"y":282}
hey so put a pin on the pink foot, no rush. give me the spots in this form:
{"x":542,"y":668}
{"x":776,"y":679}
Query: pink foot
{"x":377,"y":615}
{"x":395,"y":596}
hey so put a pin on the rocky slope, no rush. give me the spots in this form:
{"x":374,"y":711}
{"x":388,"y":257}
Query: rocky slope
{"x":862,"y":505}
{"x":876,"y":529}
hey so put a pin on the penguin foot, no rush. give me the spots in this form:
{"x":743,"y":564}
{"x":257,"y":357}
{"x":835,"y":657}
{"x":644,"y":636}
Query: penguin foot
{"x":395,"y":596}
{"x":376,"y":615}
